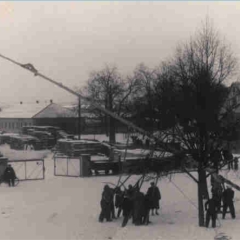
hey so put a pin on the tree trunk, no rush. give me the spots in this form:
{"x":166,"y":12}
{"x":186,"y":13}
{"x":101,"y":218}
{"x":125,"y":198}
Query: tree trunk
{"x":106,"y":120}
{"x":201,"y":188}
{"x":111,"y":120}
{"x":112,"y":138}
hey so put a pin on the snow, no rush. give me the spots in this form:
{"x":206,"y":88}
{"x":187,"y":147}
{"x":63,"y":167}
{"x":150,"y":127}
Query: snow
{"x":120,"y":137}
{"x":68,"y":208}
{"x":25,"y":110}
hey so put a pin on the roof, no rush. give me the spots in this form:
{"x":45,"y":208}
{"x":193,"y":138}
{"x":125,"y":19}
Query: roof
{"x":44,"y":110}
{"x":36,"y":110}
{"x":24,"y":110}
{"x":54,"y":111}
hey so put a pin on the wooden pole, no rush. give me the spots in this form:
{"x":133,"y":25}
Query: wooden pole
{"x":79,"y":118}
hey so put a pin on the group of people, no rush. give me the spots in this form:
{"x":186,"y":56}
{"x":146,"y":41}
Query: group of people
{"x":224,"y":156}
{"x":131,"y":202}
{"x":221,"y":201}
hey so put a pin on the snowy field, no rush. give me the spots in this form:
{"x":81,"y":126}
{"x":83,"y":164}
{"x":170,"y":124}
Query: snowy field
{"x":68,"y":208}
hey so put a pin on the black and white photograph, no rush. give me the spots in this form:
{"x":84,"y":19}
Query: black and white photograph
{"x":119,"y":120}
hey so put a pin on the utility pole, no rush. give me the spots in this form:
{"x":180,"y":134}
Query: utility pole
{"x":79,"y":118}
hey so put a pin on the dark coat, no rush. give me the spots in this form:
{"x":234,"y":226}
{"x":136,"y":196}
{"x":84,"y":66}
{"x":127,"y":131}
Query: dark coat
{"x":138,"y":206}
{"x":119,"y":199}
{"x":155,"y":195}
{"x":9,"y":173}
{"x":228,"y":195}
{"x":147,"y":204}
{"x":210,"y":206}
{"x":106,"y":202}
{"x":127,"y":205}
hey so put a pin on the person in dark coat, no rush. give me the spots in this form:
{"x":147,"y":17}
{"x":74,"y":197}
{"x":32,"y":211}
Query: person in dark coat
{"x":146,"y":210}
{"x":119,"y":194}
{"x":9,"y":175}
{"x":131,"y":192}
{"x":127,"y":207}
{"x":138,"y":206}
{"x":217,"y":192}
{"x":155,"y":195}
{"x":106,"y":204}
{"x":211,"y":209}
{"x":228,"y":196}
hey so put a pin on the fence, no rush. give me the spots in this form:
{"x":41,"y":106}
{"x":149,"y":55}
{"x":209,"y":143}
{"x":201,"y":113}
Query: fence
{"x":66,"y":166}
{"x":30,"y":169}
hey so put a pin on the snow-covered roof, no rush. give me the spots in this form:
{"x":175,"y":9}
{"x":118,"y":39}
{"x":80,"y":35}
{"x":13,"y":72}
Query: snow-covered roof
{"x":24,"y":110}
{"x":54,"y":111}
{"x":36,"y":110}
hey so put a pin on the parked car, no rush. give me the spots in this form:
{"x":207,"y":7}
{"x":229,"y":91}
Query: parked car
{"x":48,"y":134}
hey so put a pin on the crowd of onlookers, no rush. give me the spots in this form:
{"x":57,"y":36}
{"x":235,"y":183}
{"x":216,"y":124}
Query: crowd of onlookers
{"x":131,"y":203}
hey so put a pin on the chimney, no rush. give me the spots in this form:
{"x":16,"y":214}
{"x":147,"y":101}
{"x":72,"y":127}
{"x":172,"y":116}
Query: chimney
{"x":21,"y":102}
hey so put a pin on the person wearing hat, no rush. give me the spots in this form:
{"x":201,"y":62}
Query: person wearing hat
{"x":9,"y":175}
{"x":228,"y":196}
{"x":155,"y":196}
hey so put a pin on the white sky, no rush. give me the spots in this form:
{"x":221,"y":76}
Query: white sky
{"x":67,"y":40}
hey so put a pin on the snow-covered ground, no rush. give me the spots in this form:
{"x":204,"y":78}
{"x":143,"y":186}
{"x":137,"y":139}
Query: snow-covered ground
{"x":120,"y":137}
{"x":68,"y":208}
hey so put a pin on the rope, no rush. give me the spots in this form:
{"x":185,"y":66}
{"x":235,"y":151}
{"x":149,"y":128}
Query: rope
{"x":184,"y":194}
{"x":219,"y":236}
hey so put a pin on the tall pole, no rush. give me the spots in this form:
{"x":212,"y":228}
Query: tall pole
{"x":31,"y":68}
{"x":79,"y":118}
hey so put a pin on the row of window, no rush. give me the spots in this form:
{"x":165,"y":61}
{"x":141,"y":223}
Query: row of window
{"x":14,"y":125}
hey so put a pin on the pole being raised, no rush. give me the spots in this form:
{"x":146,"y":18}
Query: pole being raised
{"x":32,"y":69}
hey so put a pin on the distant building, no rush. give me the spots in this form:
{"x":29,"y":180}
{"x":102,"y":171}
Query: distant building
{"x":14,"y":117}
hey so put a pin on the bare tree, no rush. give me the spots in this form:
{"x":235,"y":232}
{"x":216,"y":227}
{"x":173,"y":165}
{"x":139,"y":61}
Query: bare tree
{"x":200,"y":69}
{"x":142,"y":100}
{"x":108,"y":88}
{"x":190,"y":101}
